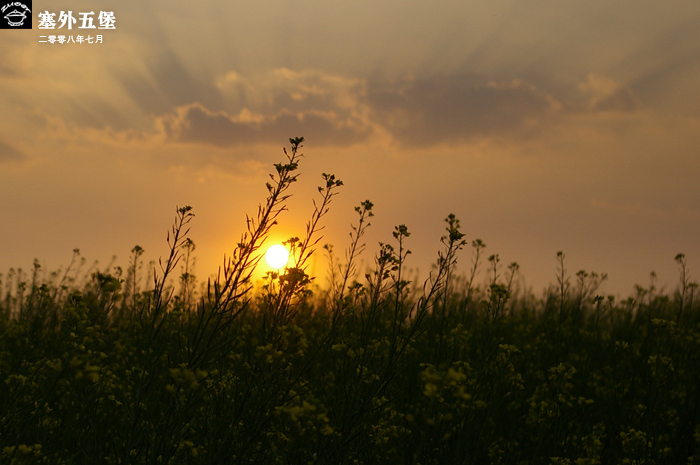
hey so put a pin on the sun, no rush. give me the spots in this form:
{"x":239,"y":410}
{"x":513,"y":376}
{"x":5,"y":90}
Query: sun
{"x":277,"y":256}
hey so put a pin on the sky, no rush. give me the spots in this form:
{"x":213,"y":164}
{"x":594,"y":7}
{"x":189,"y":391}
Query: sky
{"x":543,"y":125}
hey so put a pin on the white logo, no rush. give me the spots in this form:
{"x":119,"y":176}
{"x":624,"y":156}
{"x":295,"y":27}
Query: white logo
{"x":16,"y":17}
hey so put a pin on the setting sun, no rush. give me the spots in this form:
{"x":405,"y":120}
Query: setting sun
{"x":277,"y":256}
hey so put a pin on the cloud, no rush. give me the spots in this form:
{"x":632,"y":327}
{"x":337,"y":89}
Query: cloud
{"x":336,"y":110}
{"x":466,"y":108}
{"x":10,"y":154}
{"x":607,"y":95}
{"x":340,"y":109}
{"x":325,"y":108}
{"x":460,"y":108}
{"x":58,"y":128}
{"x":194,"y":123}
{"x":285,"y":90}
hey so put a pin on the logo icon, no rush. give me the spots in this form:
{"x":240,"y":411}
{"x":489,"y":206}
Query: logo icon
{"x":16,"y":15}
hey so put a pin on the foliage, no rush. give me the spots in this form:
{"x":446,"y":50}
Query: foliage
{"x":374,"y":371}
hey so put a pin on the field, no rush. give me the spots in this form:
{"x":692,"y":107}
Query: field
{"x":139,"y":366}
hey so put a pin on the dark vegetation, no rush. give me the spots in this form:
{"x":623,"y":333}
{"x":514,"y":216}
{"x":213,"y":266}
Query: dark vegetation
{"x":380,"y":370}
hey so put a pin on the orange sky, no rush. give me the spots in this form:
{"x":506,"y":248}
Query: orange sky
{"x":543,"y":125}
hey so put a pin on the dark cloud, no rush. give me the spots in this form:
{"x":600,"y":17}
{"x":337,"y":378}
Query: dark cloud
{"x":196,"y":124}
{"x":10,"y":154}
{"x":454,"y":109}
{"x":458,"y":108}
{"x":334,"y":110}
{"x":340,"y":110}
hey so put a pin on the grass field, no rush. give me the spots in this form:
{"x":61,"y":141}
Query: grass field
{"x":139,"y":366}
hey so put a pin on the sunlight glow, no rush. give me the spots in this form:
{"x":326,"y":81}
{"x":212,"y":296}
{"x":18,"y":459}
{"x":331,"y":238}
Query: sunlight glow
{"x":277,"y":256}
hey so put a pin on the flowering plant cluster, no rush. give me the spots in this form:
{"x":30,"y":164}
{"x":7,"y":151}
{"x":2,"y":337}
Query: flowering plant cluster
{"x":102,"y":367}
